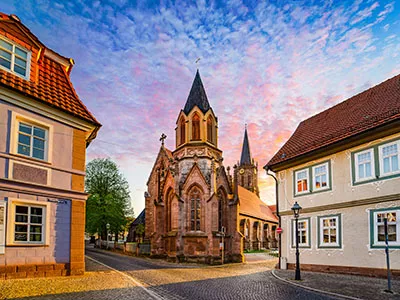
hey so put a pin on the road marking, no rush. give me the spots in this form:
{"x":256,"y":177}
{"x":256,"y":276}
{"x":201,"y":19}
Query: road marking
{"x":139,"y":284}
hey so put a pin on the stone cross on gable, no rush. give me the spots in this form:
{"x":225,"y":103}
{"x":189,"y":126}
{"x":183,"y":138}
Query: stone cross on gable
{"x":162,"y":138}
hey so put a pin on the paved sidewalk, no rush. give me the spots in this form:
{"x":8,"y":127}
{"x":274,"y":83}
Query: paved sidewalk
{"x":258,"y":257}
{"x":97,"y":281}
{"x":358,"y":287}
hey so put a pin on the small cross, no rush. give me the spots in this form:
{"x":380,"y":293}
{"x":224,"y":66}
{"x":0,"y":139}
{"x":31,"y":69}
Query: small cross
{"x":162,"y":138}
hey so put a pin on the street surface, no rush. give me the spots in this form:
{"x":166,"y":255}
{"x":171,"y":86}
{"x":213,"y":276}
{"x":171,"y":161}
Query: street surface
{"x":139,"y":278}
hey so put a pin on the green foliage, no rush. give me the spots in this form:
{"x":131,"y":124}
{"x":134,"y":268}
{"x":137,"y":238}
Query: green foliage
{"x":109,"y":200}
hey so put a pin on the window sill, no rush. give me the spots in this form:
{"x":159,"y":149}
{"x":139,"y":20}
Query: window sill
{"x":27,"y":245}
{"x":32,"y":159}
{"x":327,"y":247}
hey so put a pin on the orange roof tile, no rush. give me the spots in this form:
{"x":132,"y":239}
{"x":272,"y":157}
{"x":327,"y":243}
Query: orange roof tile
{"x":52,"y":85}
{"x":251,"y":205}
{"x":372,"y":108}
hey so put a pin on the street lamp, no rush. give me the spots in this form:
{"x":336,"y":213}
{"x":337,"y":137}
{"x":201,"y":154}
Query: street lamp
{"x":108,"y":228}
{"x":296,"y":211}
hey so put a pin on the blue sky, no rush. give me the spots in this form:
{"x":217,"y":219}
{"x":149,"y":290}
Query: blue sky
{"x":268,"y":64}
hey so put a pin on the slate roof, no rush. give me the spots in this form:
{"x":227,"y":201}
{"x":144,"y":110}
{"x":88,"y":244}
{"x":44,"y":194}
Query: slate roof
{"x":141,"y":218}
{"x":251,"y":205}
{"x":52,"y":86}
{"x":367,"y":110}
{"x":245,"y":158}
{"x":197,"y":96}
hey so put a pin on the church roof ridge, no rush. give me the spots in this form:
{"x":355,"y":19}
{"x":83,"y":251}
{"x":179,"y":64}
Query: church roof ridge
{"x":245,"y":158}
{"x":197,"y":96}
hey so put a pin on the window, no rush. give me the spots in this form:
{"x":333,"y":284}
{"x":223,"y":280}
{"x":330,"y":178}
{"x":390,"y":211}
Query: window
{"x":32,"y":140}
{"x":210,"y":137}
{"x":27,"y":222}
{"x":195,"y":209}
{"x":329,"y":231}
{"x":182,"y":131}
{"x":378,"y":229}
{"x":302,"y":181}
{"x":14,"y":58}
{"x":304,"y":233}
{"x":389,"y":158}
{"x":31,"y":137}
{"x":320,"y":177}
{"x":364,"y":165}
{"x":196,"y":127}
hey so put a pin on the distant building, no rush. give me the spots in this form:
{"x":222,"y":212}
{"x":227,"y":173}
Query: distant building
{"x":257,"y":222}
{"x":44,"y":131}
{"x":136,"y":229}
{"x":343,"y":167}
{"x":191,"y":201}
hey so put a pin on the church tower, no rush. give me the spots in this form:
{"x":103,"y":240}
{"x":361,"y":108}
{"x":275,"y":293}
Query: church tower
{"x":247,"y":170}
{"x":197,"y":137}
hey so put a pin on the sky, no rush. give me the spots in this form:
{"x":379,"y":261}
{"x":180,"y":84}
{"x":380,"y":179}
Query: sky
{"x":270,"y":64}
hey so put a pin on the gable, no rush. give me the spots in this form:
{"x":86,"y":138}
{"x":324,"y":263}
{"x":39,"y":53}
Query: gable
{"x":195,"y":177}
{"x":48,"y":81}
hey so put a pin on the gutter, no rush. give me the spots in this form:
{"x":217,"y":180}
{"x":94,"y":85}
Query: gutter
{"x":277,"y":213}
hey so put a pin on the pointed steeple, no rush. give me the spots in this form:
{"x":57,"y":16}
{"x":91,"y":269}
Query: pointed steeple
{"x":245,"y":158}
{"x":197,"y":96}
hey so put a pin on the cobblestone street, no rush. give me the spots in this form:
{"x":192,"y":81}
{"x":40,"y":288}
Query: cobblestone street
{"x":140,"y":278}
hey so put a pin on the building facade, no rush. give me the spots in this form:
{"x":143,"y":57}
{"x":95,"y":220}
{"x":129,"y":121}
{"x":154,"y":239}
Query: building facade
{"x":193,"y":205}
{"x":44,"y":132}
{"x":257,"y":223}
{"x":342,"y":167}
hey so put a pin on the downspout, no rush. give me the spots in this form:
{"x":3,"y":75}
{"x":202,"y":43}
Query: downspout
{"x":277,"y":213}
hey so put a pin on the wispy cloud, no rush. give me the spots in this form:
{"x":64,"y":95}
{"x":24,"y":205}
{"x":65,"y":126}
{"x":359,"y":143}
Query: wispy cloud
{"x":270,"y":66}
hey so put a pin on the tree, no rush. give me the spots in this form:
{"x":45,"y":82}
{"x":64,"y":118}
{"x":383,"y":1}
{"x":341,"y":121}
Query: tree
{"x":109,"y":200}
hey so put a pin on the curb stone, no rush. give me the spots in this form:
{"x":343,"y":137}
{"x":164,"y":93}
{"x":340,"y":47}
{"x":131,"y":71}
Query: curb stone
{"x":313,"y":289}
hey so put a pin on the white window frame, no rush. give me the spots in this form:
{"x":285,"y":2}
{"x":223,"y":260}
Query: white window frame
{"x":375,"y":241}
{"x":307,"y":230}
{"x":28,"y":59}
{"x":373,"y":174}
{"x":381,"y":167}
{"x":296,"y":181}
{"x":12,"y":203}
{"x":19,"y":118}
{"x":327,"y":177}
{"x":321,"y":231}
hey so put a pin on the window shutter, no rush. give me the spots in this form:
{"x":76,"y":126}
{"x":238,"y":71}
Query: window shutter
{"x":2,"y":226}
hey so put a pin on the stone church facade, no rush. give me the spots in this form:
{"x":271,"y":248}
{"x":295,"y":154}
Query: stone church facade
{"x":257,"y":222}
{"x":192,"y":201}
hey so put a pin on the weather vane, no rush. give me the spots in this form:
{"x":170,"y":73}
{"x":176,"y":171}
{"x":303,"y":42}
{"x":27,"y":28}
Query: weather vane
{"x":162,"y":138}
{"x":197,"y":60}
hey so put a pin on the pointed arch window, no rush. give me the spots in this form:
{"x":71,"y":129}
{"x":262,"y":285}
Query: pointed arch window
{"x":196,"y":127}
{"x":210,"y":135}
{"x":182,"y":131}
{"x":195,"y":209}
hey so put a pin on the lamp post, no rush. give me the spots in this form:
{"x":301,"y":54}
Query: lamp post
{"x":296,"y":211}
{"x":108,"y":228}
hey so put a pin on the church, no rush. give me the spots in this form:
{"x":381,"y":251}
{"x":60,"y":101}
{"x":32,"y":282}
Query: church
{"x":195,"y":210}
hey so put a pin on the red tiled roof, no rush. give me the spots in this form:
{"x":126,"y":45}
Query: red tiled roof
{"x":374,"y":107}
{"x":251,"y":205}
{"x":49,"y":81}
{"x":272,"y":208}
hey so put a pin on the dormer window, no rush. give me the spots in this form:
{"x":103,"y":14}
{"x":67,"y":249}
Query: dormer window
{"x":14,"y":58}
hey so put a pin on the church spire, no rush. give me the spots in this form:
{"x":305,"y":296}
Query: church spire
{"x":245,"y":158}
{"x":197,"y":96}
